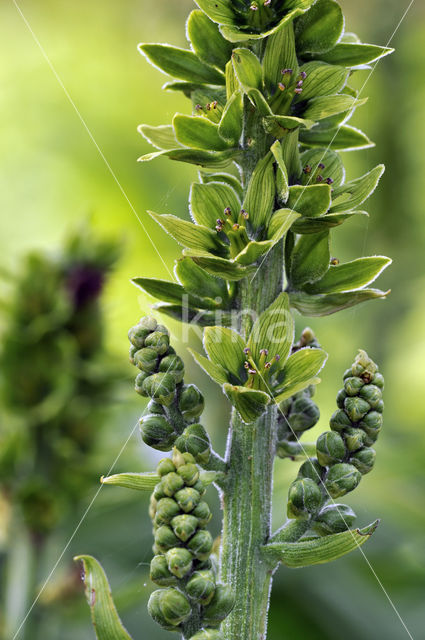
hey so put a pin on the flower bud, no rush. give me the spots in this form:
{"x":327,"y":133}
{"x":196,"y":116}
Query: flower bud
{"x":131,"y":353}
{"x":372,"y":424}
{"x":191,"y":402}
{"x":356,"y":408}
{"x":158,"y":491}
{"x":341,"y":479}
{"x":159,"y":341}
{"x":187,"y":499}
{"x":165,"y":538}
{"x":166,"y":510}
{"x":220,"y":606}
{"x":339,"y":421}
{"x":155,"y":408}
{"x":138,"y":383}
{"x":155,"y":610}
{"x":364,"y":460}
{"x":312,"y":469}
{"x":330,"y":448}
{"x":378,"y":380}
{"x":340,"y":398}
{"x":334,"y":518}
{"x":161,"y":387}
{"x":148,"y":323}
{"x":203,"y":513}
{"x":201,"y":544}
{"x":208,"y":634}
{"x":171,"y":483}
{"x":153,"y":502}
{"x":137,"y":336}
{"x":184,"y":526}
{"x":160,"y":573}
{"x":179,"y":561}
{"x":354,"y":439}
{"x":165,"y":466}
{"x":200,"y":487}
{"x":189,"y":473}
{"x":188,"y":458}
{"x":146,"y":359}
{"x":304,"y":414}
{"x":174,"y":606}
{"x":195,"y":440}
{"x":304,"y":498}
{"x":178,"y":458}
{"x":201,"y":586}
{"x":353,"y":385}
{"x":173,"y":364}
{"x":372,"y":394}
{"x":157,"y":432}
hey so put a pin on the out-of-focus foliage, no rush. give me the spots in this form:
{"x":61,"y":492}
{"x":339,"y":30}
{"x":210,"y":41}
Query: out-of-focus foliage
{"x":49,"y":164}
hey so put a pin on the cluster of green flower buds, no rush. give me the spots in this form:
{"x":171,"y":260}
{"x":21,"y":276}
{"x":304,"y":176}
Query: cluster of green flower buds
{"x":183,"y":564}
{"x":344,"y":454}
{"x":174,"y":406}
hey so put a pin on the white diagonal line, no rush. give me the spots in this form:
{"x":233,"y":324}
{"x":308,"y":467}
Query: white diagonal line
{"x":91,"y":136}
{"x":372,"y":71}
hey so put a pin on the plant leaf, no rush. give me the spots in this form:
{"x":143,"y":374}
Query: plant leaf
{"x":222,"y":268}
{"x":139,"y":481}
{"x":207,"y":41}
{"x":300,"y":367}
{"x":106,"y":621}
{"x":325,"y":106}
{"x":180,"y":63}
{"x":344,"y":138}
{"x":273,"y":330}
{"x":320,"y":224}
{"x":207,"y":202}
{"x":322,"y":80}
{"x":161,"y":137}
{"x":230,"y":126}
{"x":352,"y":55}
{"x":248,"y":69}
{"x":226,"y":349}
{"x":188,"y":234}
{"x":311,"y":201}
{"x":196,"y":281}
{"x":250,"y":403}
{"x":211,"y":159}
{"x":202,"y":317}
{"x":354,"y":193}
{"x":198,"y":132}
{"x":310,"y":259}
{"x":351,"y":275}
{"x":215,"y":371}
{"x":259,"y":199}
{"x":319,"y":550}
{"x":325,"y":304}
{"x":320,"y":28}
{"x":168,"y":291}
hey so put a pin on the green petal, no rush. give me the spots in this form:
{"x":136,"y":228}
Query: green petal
{"x":333,"y":164}
{"x":180,"y":63}
{"x":326,"y":106}
{"x":220,"y":11}
{"x":250,"y":403}
{"x":344,"y":138}
{"x":207,"y":41}
{"x":211,"y":159}
{"x":325,"y":304}
{"x":300,"y":367}
{"x":354,"y":193}
{"x":196,"y":281}
{"x":320,"y":28}
{"x":226,"y":349}
{"x":351,"y":55}
{"x":310,"y":259}
{"x":188,"y":234}
{"x":198,"y":132}
{"x":351,"y":275}
{"x":202,"y":317}
{"x":230,"y":127}
{"x":260,"y":194}
{"x":222,"y":268}
{"x":248,"y":69}
{"x":207,"y":202}
{"x":322,"y":80}
{"x":273,"y":330}
{"x":169,"y":292}
{"x":280,"y":54}
{"x":215,"y":371}
{"x":311,"y":201}
{"x":318,"y":225}
{"x":161,"y":137}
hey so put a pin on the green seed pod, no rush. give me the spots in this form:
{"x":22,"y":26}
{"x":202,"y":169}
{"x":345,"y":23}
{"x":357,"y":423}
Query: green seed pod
{"x":173,"y":364}
{"x":201,"y":586}
{"x":174,"y":606}
{"x":184,"y":526}
{"x":304,"y":414}
{"x":161,"y":387}
{"x":195,"y":440}
{"x":187,"y":499}
{"x":203,"y":513}
{"x":304,"y":498}
{"x":158,"y":341}
{"x":372,"y":394}
{"x":220,"y":606}
{"x":372,"y":424}
{"x":155,"y":408}
{"x":191,"y":402}
{"x":334,"y":518}
{"x":339,"y":421}
{"x":208,"y":634}
{"x":160,"y":573}
{"x":312,"y":469}
{"x":354,"y":439}
{"x":138,"y":383}
{"x":155,"y":612}
{"x":166,"y":510}
{"x":201,"y":544}
{"x":165,"y":538}
{"x":179,"y":562}
{"x":146,"y":359}
{"x":330,"y":448}
{"x":189,"y":473}
{"x":171,"y":483}
{"x":356,"y":408}
{"x":157,"y":432}
{"x":341,"y":479}
{"x":165,"y":466}
{"x":353,"y":385}
{"x":340,"y":398}
{"x":364,"y":460}
{"x":378,"y":380}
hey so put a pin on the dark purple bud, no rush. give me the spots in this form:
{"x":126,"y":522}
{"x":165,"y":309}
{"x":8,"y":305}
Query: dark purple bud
{"x":329,"y":180}
{"x":307,"y":169}
{"x":247,"y":350}
{"x":277,"y":357}
{"x":334,"y":261}
{"x":320,"y":165}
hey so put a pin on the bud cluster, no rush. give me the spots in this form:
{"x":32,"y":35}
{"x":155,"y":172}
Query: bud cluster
{"x":344,"y":454}
{"x":182,"y":564}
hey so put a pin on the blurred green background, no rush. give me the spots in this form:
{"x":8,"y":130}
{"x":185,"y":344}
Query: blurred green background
{"x":52,"y":175}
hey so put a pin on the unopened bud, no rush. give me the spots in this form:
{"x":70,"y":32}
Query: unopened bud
{"x":187,"y":499}
{"x":304,"y":498}
{"x":334,"y":518}
{"x":174,"y":605}
{"x":160,"y":573}
{"x":173,"y":364}
{"x":356,"y":408}
{"x":157,"y":432}
{"x":184,"y":526}
{"x":201,"y":587}
{"x":201,"y":544}
{"x":179,"y":561}
{"x":191,"y":402}
{"x":364,"y":460}
{"x":220,"y":606}
{"x":330,"y":448}
{"x":171,"y":483}
{"x":195,"y":440}
{"x":189,"y":473}
{"x":161,"y":387}
{"x":166,"y":510}
{"x":341,"y":479}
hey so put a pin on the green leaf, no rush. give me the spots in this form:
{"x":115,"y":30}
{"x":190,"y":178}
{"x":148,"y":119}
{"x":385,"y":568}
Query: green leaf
{"x":310,"y":259}
{"x":181,"y":63}
{"x":300,"y":367}
{"x":226,"y":349}
{"x":280,"y":54}
{"x":248,"y":69}
{"x":351,"y":55}
{"x":215,"y":371}
{"x":325,"y":106}
{"x":199,"y":283}
{"x":354,"y":193}
{"x":105,"y":618}
{"x":322,"y":80}
{"x":189,"y":235}
{"x":202,"y":317}
{"x":227,"y":178}
{"x":198,"y":132}
{"x":220,"y":11}
{"x":281,"y":221}
{"x":161,"y":137}
{"x":260,"y":194}
{"x":167,"y":291}
{"x":333,"y":164}
{"x":344,"y":138}
{"x":207,"y":41}
{"x":313,"y":200}
{"x":326,"y":304}
{"x":230,"y":126}
{"x":319,"y":550}
{"x":207,"y":202}
{"x":351,"y":275}
{"x":282,"y":173}
{"x":250,"y":403}
{"x":222,"y":268}
{"x":139,"y":481}
{"x":211,"y":159}
{"x":320,"y":224}
{"x":320,"y":28}
{"x":273,"y":330}
{"x":278,"y":126}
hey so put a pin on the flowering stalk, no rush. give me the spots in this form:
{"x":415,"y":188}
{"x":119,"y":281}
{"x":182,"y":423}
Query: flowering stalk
{"x":268,"y":83}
